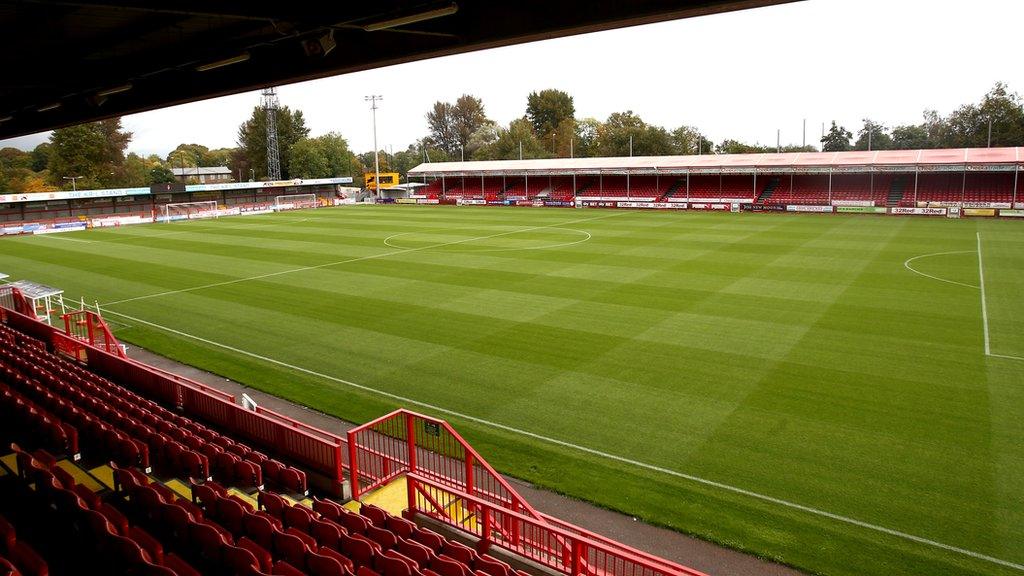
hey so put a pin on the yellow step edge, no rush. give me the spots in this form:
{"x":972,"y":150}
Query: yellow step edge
{"x":179,"y":488}
{"x":10,"y":461}
{"x":105,"y":474}
{"x":244,"y":496}
{"x":392,"y":497}
{"x":81,"y":476}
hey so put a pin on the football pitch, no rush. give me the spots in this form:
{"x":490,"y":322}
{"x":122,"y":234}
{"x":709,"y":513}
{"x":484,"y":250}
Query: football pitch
{"x":841,"y":393}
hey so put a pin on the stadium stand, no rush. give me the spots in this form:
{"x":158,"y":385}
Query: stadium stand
{"x":104,"y":457}
{"x":703,"y":187}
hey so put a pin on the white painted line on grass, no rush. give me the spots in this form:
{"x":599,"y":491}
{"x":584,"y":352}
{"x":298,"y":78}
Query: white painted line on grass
{"x":350,"y":260}
{"x":592,"y":451}
{"x":984,"y":307}
{"x":588,"y":236}
{"x":56,"y":237}
{"x":906,"y":264}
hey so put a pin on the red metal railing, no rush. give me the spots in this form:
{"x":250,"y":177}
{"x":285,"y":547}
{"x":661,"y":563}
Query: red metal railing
{"x":573,"y":552}
{"x":404,"y":441}
{"x":89,"y":327}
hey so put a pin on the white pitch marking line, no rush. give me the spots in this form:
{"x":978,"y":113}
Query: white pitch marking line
{"x":361,"y":258}
{"x":906,"y":264}
{"x":573,"y":243}
{"x":55,"y":237}
{"x":563,"y":443}
{"x":984,"y":307}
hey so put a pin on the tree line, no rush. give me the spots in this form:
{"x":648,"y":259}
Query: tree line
{"x":94,"y":153}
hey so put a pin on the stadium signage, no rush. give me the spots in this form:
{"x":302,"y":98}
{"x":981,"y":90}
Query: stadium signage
{"x":853,"y":203}
{"x":861,"y":209}
{"x":987,"y":205}
{"x":71,"y":195}
{"x":118,"y":221}
{"x":598,"y":204}
{"x":763,"y":207}
{"x":659,"y":205}
{"x":617,"y":198}
{"x":1012,"y":213}
{"x":559,"y":203}
{"x":470,"y":202}
{"x":405,"y":200}
{"x":979,"y":212}
{"x":918,"y":211}
{"x":60,"y":227}
{"x":425,"y":200}
{"x":710,"y":206}
{"x":806,"y":208}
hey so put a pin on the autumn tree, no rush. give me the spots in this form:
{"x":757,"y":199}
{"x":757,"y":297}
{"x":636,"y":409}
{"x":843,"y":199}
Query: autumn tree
{"x":252,"y":138}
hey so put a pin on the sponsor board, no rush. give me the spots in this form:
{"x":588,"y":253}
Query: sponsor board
{"x":425,"y":200}
{"x":807,"y":208}
{"x":72,"y":195}
{"x":1012,"y":213}
{"x":938,"y":204}
{"x":658,"y":205}
{"x":617,"y":198}
{"x":987,"y":205}
{"x":12,"y":230}
{"x":853,"y":203}
{"x":343,"y":201}
{"x":405,"y":200}
{"x":979,"y":212}
{"x":559,"y":203}
{"x":598,"y":204}
{"x":714,"y":200}
{"x":118,"y":221}
{"x":709,"y":206}
{"x":918,"y":211}
{"x":861,"y":209}
{"x":471,"y":202}
{"x":763,"y":207}
{"x":65,"y":227}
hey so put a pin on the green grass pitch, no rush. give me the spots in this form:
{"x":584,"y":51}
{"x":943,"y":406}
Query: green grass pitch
{"x":793,"y":357}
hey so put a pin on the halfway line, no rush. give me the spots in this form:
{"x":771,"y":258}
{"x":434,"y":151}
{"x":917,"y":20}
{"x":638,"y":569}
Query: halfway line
{"x":984,"y":307}
{"x":592,"y":451}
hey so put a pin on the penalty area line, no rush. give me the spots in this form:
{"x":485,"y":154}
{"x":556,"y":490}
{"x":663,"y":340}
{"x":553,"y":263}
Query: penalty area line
{"x":592,"y":451}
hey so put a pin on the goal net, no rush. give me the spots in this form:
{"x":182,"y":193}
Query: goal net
{"x":295,"y":202}
{"x":189,"y":211}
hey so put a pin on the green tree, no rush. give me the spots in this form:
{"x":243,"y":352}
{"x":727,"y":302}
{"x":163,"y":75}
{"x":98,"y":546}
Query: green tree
{"x":910,"y":137}
{"x":41,"y":157}
{"x":160,"y":174}
{"x":874,"y":134}
{"x":326,"y":156}
{"x":507,"y":145}
{"x":548,"y":111}
{"x":452,"y":126}
{"x":837,"y":139}
{"x":252,"y":138}
{"x":687,"y":140}
{"x":730,"y":146}
{"x":94,"y":151}
{"x":622,"y":128}
{"x":587,"y":132}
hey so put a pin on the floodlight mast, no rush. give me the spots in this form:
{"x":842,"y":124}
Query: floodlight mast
{"x":376,"y":160}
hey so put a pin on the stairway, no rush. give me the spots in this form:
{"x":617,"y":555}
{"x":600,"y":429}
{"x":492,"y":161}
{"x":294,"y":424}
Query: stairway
{"x":770,"y":187}
{"x":899,"y":184}
{"x":680,"y":183}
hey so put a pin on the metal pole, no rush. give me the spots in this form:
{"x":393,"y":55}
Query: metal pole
{"x":1013,"y":201}
{"x":869,"y":137}
{"x":963,"y":186}
{"x":376,"y":159}
{"x":916,"y":171}
{"x":687,"y":185}
{"x":572,"y":153}
{"x":520,"y":149}
{"x":778,"y":140}
{"x":630,"y":145}
{"x":805,"y":133}
{"x":989,"y":133}
{"x":830,"y":185}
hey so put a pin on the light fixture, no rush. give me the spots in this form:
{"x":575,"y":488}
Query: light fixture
{"x":6,"y":118}
{"x":321,"y":46}
{"x":222,"y":63}
{"x":114,"y":90}
{"x":48,"y":107}
{"x":446,"y":10}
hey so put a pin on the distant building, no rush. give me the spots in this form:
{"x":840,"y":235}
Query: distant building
{"x":205,"y":174}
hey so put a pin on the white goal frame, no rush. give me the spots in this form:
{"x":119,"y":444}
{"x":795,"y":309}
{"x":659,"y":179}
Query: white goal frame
{"x":189,"y":211}
{"x":295,"y":202}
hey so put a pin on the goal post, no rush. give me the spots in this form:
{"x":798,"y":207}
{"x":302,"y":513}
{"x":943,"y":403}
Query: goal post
{"x":295,"y":202}
{"x":188,"y":211}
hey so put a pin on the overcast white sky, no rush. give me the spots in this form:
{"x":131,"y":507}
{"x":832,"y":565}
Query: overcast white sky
{"x":739,"y":75}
